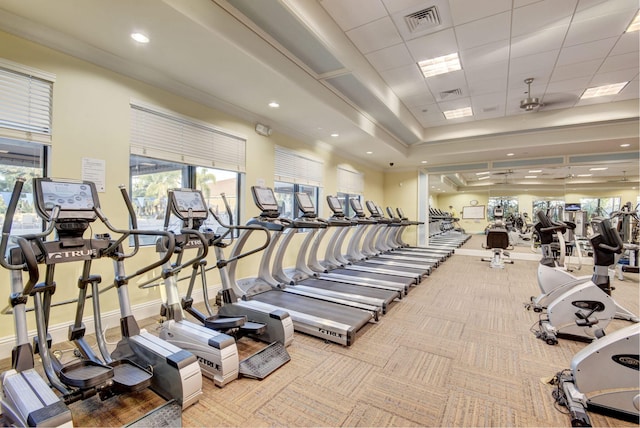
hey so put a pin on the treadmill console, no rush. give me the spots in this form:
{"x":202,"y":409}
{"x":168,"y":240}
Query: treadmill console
{"x":265,"y":199}
{"x":305,"y":204}
{"x":373,"y":209}
{"x":335,"y":205}
{"x":357,"y":207}
{"x":188,"y":203}
{"x":76,"y":199}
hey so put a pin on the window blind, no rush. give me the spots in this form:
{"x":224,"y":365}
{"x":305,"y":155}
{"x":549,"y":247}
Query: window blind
{"x":350,"y":181}
{"x":169,"y":136}
{"x":292,"y":167}
{"x":25,"y":103}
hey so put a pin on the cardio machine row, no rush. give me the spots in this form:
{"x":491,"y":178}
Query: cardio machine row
{"x":603,"y":376}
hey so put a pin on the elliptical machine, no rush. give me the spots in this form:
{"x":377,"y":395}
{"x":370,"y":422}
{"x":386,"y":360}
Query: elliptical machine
{"x":498,"y":241}
{"x":603,"y":378}
{"x":140,"y":360}
{"x":553,"y":279}
{"x":213,"y":341}
{"x":583,"y":312}
{"x":27,"y":400}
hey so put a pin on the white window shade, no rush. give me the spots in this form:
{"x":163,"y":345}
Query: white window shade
{"x":351,"y":182}
{"x":292,"y":167}
{"x":165,"y":135}
{"x":25,"y":103}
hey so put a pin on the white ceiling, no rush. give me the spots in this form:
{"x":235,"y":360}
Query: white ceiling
{"x":349,"y":67}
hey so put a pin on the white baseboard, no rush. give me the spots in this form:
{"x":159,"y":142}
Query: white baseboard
{"x":59,"y":332}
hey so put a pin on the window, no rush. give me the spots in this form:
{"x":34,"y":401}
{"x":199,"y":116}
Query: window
{"x":295,"y":173}
{"x":169,"y":151}
{"x":549,"y":206}
{"x":18,"y":159}
{"x":346,"y":205}
{"x":509,"y":205}
{"x":152,"y":178}
{"x":599,"y":207}
{"x":25,"y":129}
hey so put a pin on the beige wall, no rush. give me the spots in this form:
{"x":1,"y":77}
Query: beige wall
{"x":91,"y":118}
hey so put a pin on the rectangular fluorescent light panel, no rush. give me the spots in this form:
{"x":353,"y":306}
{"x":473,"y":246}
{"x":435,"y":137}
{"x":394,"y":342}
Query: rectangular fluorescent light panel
{"x":530,"y":176}
{"x":461,"y":112}
{"x":584,"y":175}
{"x":440,"y":65}
{"x":533,"y":171}
{"x":635,"y":24}
{"x":484,"y":177}
{"x":600,"y":168}
{"x":601,"y":91}
{"x":483,"y":173}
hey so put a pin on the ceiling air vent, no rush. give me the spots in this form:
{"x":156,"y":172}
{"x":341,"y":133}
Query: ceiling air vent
{"x":422,"y":19}
{"x":450,"y":92}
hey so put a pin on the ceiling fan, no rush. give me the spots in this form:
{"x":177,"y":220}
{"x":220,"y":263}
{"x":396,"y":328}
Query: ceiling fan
{"x":529,"y":103}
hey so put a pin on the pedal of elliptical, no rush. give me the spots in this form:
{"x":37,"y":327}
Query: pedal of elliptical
{"x":224,"y":323}
{"x":253,"y":328}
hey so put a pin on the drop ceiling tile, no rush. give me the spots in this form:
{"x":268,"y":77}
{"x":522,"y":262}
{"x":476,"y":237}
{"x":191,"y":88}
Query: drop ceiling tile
{"x":394,"y":6}
{"x":375,"y":35}
{"x":403,"y":80}
{"x":578,"y":83}
{"x":565,"y":98}
{"x":602,"y":27}
{"x":433,"y":45}
{"x":538,"y":16}
{"x":539,"y":41}
{"x":613,"y":77}
{"x":537,"y":65}
{"x":447,"y":82}
{"x":630,"y":92}
{"x":586,"y":51}
{"x":421,"y":97}
{"x":483,"y":31}
{"x":498,"y":70}
{"x":488,"y":105}
{"x":354,"y":13}
{"x":628,"y":42}
{"x":484,"y":55}
{"x":620,"y":62}
{"x":579,"y":69}
{"x":391,"y":57}
{"x":455,"y":104}
{"x":588,"y":9}
{"x":483,"y":87}
{"x":463,"y":11}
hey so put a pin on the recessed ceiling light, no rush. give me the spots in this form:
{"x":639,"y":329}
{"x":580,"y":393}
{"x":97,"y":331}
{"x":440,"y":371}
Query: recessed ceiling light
{"x":530,"y":176}
{"x":584,"y":175}
{"x":440,"y":65}
{"x":625,"y":145}
{"x":461,"y":112}
{"x":369,"y":153}
{"x":483,"y":173}
{"x":140,"y":38}
{"x":484,"y":177}
{"x":600,"y":168}
{"x":510,"y":154}
{"x":274,"y":104}
{"x":635,"y":24}
{"x":533,"y":171}
{"x":334,"y":135}
{"x":604,"y":90}
{"x":423,"y":162}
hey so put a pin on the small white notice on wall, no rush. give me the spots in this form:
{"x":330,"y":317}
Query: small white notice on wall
{"x":95,"y":170}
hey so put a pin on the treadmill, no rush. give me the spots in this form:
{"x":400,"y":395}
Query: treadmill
{"x":376,"y":242}
{"x":397,"y":241}
{"x":330,"y":321}
{"x":361,"y":256}
{"x":303,"y":277}
{"x":331,"y":268}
